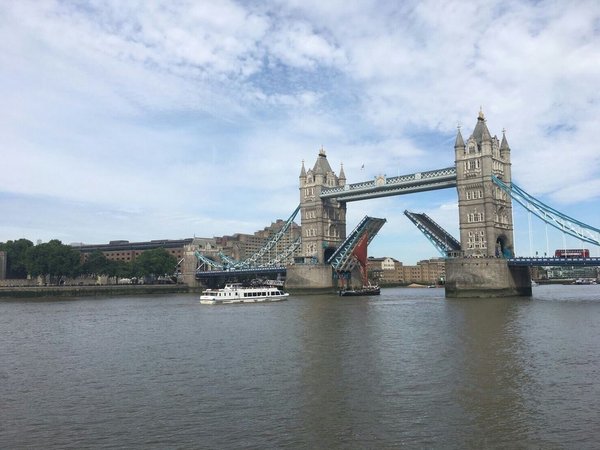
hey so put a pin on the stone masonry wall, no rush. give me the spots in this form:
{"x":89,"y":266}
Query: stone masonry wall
{"x":309,"y":277}
{"x":485,"y":277}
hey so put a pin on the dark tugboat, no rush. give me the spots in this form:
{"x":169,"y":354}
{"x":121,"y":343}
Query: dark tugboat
{"x":365,"y":290}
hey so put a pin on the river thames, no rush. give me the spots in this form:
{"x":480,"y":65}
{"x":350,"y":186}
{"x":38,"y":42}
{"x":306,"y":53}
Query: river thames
{"x":408,"y":369}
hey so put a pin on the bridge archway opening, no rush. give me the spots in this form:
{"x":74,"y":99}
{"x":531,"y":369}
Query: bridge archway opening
{"x":501,"y":247}
{"x":329,"y":251}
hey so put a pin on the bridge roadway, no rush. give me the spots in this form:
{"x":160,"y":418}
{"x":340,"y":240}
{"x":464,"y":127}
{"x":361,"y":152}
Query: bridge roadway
{"x":257,"y":271}
{"x":543,"y":262}
{"x":521,"y":261}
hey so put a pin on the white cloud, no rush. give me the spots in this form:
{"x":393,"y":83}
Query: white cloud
{"x":189,"y":108}
{"x":295,"y":44}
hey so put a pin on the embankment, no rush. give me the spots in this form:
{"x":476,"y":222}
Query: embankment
{"x":77,"y":291}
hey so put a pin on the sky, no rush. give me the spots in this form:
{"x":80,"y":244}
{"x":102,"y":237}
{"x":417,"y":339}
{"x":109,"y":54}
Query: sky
{"x":143,"y":120}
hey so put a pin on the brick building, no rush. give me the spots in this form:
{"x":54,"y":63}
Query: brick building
{"x":391,"y":271}
{"x":385,"y":270}
{"x":238,"y":246}
{"x":241,"y":246}
{"x":127,"y":251}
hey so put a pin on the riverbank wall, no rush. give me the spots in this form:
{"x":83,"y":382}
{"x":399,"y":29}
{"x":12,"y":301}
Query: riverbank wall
{"x":88,"y":291}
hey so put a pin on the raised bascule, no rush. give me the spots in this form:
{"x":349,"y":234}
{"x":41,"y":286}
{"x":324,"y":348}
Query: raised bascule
{"x":481,"y":263}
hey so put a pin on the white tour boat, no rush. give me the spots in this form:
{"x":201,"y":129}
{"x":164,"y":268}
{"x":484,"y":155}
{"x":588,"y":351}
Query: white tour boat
{"x":236,"y":293}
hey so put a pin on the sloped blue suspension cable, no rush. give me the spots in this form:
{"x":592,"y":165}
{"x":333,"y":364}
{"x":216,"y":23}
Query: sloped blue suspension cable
{"x":551,"y":216}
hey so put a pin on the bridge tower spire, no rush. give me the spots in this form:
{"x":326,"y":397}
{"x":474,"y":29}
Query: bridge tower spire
{"x":485,"y":211}
{"x":323,"y":220}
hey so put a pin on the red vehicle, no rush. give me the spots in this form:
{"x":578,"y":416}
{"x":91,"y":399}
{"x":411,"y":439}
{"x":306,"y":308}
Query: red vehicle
{"x":572,"y":253}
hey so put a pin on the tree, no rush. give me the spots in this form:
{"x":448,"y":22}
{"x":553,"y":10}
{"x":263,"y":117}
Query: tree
{"x":54,"y":259}
{"x":15,"y":257}
{"x":156,"y":262}
{"x":119,"y":269}
{"x":97,"y":264}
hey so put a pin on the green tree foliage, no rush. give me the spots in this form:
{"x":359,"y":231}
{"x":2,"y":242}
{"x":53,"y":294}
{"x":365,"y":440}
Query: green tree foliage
{"x":57,"y":260}
{"x":15,"y":257}
{"x":155,"y":262}
{"x":54,"y":259}
{"x":120,"y":269}
{"x":96,"y":264}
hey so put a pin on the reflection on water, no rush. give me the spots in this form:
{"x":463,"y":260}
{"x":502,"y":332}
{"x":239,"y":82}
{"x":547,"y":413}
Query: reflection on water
{"x":408,"y":368}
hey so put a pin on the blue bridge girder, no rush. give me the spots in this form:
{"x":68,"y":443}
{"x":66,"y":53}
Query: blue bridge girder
{"x":226,"y":260}
{"x":256,"y":271}
{"x":207,"y":262}
{"x":443,"y":241}
{"x":253,"y":260}
{"x":229,"y":264}
{"x":343,"y":258}
{"x":549,"y":262}
{"x":388,"y":186}
{"x":287,"y":252}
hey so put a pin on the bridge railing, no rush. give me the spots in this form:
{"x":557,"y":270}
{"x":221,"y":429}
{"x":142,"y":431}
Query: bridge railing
{"x":233,"y":272}
{"x":448,"y":173}
{"x":550,"y":261}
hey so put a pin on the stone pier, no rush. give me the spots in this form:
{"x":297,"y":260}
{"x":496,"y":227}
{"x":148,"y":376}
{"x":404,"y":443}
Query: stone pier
{"x":485,"y":277}
{"x":309,"y":277}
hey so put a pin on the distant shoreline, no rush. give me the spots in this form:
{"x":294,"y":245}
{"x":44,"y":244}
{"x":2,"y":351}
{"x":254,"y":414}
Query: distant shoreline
{"x":75,"y":291}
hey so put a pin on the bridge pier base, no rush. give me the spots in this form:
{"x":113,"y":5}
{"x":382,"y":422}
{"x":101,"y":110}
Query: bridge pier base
{"x":309,"y":277}
{"x":485,"y":277}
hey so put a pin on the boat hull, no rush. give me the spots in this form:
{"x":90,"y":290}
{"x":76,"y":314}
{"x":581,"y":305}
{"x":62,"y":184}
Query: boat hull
{"x":360,"y":292}
{"x":237,"y":294}
{"x":234,"y":301}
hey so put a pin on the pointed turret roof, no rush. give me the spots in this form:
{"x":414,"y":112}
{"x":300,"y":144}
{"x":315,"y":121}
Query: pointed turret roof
{"x":504,"y":144}
{"x":322,"y":166}
{"x":303,"y":171}
{"x":342,"y":174}
{"x":459,"y":143}
{"x":481,"y":132}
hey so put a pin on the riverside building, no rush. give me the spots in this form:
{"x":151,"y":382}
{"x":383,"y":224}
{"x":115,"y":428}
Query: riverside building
{"x":391,"y":271}
{"x":238,"y":246}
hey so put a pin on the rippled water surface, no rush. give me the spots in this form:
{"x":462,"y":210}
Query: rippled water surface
{"x":407,"y":369}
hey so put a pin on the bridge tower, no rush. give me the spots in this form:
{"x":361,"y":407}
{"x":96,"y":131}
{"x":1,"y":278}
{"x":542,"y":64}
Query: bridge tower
{"x":323,"y":220}
{"x":485,"y":221}
{"x":485,"y":210}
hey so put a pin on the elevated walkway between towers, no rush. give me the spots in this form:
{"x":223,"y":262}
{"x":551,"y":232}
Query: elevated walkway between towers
{"x":383,"y":186}
{"x":440,"y":238}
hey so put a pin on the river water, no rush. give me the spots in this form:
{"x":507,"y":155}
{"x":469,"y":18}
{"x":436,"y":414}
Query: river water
{"x":408,"y":369}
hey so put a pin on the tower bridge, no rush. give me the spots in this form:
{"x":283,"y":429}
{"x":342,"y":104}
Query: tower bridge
{"x":481,"y":262}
